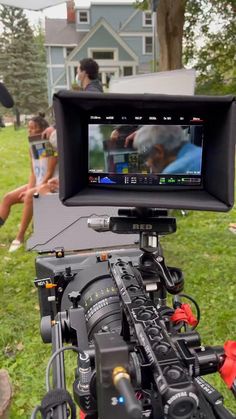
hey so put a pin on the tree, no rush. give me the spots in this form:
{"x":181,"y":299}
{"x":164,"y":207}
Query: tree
{"x":170,"y":22}
{"x":170,"y":27}
{"x":22,"y":65}
{"x":199,"y":33}
{"x":209,"y":38}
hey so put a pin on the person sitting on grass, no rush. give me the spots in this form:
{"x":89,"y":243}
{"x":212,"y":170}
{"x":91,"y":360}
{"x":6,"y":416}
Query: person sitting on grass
{"x":44,"y":159}
{"x":232,"y":228}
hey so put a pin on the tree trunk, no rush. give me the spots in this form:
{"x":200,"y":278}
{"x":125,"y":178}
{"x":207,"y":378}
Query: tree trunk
{"x":17,"y":120}
{"x":170,"y":22}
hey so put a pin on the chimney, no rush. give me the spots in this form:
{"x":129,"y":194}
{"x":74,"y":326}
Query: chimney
{"x":71,"y":14}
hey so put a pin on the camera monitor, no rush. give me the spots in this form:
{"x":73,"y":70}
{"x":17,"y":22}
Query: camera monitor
{"x":146,"y":150}
{"x":144,"y":156}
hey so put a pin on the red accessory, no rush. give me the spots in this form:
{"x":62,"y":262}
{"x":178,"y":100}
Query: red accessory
{"x":228,"y":369}
{"x":184,"y":314}
{"x":82,"y":415}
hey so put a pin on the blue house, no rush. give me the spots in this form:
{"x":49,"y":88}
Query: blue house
{"x":117,"y":35}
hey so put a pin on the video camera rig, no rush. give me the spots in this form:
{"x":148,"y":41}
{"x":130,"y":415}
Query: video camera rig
{"x":137,"y":357}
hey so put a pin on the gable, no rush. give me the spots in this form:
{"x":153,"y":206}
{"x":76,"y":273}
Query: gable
{"x":114,"y":14}
{"x":103,"y":36}
{"x":135,"y":23}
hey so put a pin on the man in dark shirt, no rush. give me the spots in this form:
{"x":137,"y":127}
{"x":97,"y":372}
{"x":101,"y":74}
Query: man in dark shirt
{"x":87,"y":72}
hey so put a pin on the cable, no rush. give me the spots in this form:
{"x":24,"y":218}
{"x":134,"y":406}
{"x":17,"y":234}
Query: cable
{"x":76,"y":349}
{"x":64,"y":348}
{"x":34,"y":413}
{"x":196,"y":306}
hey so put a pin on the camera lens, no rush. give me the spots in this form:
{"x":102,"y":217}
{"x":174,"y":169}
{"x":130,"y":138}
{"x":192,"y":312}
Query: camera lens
{"x":101,"y":304}
{"x":99,"y":297}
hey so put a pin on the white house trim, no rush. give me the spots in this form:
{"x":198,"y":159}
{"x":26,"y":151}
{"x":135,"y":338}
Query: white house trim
{"x":126,"y":63}
{"x":61,"y":46}
{"x":67,"y":76}
{"x":101,"y":3}
{"x":114,"y":50}
{"x":87,"y":11}
{"x":102,"y":22}
{"x":82,"y":30}
{"x":144,"y":18}
{"x":136,"y":34}
{"x":58,"y":79}
{"x":128,"y":20}
{"x":55,"y":65}
{"x":144,"y":45}
{"x":49,"y":66}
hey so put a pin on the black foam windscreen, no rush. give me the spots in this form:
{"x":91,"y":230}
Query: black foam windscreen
{"x":5,"y":97}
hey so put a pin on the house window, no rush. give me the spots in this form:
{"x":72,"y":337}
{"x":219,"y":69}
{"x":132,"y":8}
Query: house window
{"x":148,"y":45}
{"x":84,"y":16}
{"x":147,"y":19}
{"x":103,"y":55}
{"x":128,"y":71}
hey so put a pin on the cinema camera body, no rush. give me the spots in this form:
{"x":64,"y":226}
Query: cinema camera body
{"x":137,"y":357}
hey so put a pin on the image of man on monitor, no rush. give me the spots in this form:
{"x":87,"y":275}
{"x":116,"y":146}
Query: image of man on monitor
{"x":146,"y":149}
{"x":168,"y":149}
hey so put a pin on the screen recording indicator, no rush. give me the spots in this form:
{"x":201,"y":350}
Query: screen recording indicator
{"x":145,"y":154}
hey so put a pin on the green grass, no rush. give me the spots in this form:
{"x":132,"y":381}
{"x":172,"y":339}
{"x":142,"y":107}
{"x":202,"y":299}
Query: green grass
{"x":202,"y":247}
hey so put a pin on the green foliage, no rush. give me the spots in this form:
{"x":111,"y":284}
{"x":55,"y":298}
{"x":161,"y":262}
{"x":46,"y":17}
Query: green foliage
{"x":209,"y":39}
{"x":202,"y":247}
{"x":215,"y":65}
{"x":23,"y":63}
{"x":143,"y":4}
{"x":209,"y":43}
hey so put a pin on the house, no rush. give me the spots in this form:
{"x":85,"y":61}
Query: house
{"x":117,"y":35}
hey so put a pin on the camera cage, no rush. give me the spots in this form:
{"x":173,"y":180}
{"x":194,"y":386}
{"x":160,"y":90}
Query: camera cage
{"x":217,"y":190}
{"x":60,"y":288}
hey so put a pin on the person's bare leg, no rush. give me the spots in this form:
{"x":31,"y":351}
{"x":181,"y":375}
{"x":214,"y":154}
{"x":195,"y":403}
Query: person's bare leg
{"x":27,"y":214}
{"x":28,"y":210}
{"x":232,"y":228}
{"x":11,"y":198}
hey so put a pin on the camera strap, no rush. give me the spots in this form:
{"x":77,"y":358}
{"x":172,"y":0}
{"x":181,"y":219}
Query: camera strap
{"x":54,"y":398}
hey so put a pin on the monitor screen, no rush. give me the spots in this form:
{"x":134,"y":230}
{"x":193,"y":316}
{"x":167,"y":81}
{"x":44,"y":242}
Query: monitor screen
{"x":157,"y":151}
{"x":146,"y":151}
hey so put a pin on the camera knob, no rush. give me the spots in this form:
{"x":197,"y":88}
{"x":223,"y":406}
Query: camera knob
{"x":74,"y":297}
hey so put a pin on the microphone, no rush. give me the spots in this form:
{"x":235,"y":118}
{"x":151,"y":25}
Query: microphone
{"x":5,"y":97}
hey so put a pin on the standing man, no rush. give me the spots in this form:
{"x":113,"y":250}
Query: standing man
{"x":87,"y":73}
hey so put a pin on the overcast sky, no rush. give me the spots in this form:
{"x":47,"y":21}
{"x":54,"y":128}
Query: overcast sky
{"x":60,"y":10}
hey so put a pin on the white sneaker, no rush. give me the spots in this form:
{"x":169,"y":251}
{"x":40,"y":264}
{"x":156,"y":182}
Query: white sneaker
{"x":15,"y":245}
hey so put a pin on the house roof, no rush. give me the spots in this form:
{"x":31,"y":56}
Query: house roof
{"x":59,"y":32}
{"x":31,"y":5}
{"x":112,"y":3}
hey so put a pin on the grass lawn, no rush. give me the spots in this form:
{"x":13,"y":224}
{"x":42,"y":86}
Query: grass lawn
{"x":202,"y":247}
